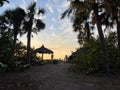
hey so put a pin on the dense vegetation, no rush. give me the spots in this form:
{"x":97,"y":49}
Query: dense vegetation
{"x":90,"y":57}
{"x":16,"y":22}
{"x":97,"y":54}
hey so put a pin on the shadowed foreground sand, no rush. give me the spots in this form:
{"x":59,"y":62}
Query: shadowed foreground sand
{"x":55,"y":77}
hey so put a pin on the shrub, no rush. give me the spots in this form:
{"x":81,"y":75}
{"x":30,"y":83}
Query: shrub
{"x":92,"y":60}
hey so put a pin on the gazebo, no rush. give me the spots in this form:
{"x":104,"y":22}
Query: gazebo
{"x":42,"y":50}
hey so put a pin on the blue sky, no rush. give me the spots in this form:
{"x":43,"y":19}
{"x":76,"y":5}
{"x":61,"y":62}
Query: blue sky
{"x":58,"y":34}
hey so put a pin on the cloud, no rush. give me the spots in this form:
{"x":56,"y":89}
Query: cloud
{"x":49,"y":1}
{"x":23,"y":5}
{"x":54,"y":20}
{"x":64,"y":38}
{"x":35,"y":0}
{"x":51,"y":27}
{"x":68,"y":30}
{"x":8,"y":6}
{"x":65,"y":4}
{"x":53,"y":35}
{"x":59,"y":10}
{"x":65,"y":23}
{"x":55,"y":1}
{"x":66,"y":34}
{"x":49,"y":8}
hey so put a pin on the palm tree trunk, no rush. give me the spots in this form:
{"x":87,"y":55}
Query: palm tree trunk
{"x":42,"y":55}
{"x":14,"y":46}
{"x":102,"y":39}
{"x":28,"y":46}
{"x":87,"y":31}
{"x":118,"y":34}
{"x":103,"y":45}
{"x":14,"y":43}
{"x":29,"y":38}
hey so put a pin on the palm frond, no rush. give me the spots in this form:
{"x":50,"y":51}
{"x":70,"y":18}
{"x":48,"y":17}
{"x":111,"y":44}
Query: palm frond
{"x":31,"y":8}
{"x":17,"y":15}
{"x":41,"y":11}
{"x":40,"y":24}
{"x":66,"y":13}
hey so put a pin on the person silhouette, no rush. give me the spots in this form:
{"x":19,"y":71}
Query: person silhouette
{"x":66,"y":58}
{"x":52,"y":56}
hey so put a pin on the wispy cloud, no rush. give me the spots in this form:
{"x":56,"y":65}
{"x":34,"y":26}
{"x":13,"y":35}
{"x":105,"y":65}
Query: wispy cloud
{"x":49,"y":1}
{"x":49,"y":8}
{"x":51,"y":27}
{"x":54,"y":35}
{"x":68,"y":30}
{"x":59,"y":10}
{"x":54,"y":20}
{"x":65,"y":4}
{"x":23,"y":5}
{"x":35,"y":0}
{"x":55,"y":1}
{"x":9,"y":6}
{"x":65,"y":23}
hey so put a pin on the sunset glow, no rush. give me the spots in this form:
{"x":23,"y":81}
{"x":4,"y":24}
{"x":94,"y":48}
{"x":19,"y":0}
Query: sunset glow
{"x":58,"y":34}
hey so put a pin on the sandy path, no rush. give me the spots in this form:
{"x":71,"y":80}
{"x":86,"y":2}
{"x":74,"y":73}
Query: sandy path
{"x":55,"y":77}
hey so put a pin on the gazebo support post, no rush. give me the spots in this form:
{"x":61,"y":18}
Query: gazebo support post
{"x":52,"y":56}
{"x":42,"y":56}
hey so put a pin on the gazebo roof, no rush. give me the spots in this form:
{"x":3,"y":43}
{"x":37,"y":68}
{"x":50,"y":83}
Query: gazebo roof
{"x":43,"y":50}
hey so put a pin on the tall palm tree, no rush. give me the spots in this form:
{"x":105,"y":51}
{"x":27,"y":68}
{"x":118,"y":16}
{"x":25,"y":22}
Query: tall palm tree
{"x":112,"y":10}
{"x":32,"y":24}
{"x":97,"y":19}
{"x":89,"y":6}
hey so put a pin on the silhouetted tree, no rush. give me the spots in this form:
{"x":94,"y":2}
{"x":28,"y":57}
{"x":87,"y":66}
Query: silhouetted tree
{"x":97,"y":19}
{"x":94,"y":7}
{"x":79,"y":16}
{"x":112,"y":16}
{"x":32,"y":24}
{"x":13,"y":20}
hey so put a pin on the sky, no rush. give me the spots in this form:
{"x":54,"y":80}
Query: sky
{"x":58,"y":34}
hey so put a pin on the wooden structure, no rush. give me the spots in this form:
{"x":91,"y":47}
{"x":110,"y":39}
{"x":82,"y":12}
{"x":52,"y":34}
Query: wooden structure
{"x":42,"y":50}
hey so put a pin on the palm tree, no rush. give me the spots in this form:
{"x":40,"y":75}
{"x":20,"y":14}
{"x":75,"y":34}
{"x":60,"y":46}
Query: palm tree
{"x":13,"y":18}
{"x":97,"y":18}
{"x":78,"y":6}
{"x":32,"y":24}
{"x":112,"y":10}
{"x":79,"y":16}
{"x":17,"y":16}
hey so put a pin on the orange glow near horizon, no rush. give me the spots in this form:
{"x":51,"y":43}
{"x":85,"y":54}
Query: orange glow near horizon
{"x":59,"y":53}
{"x":59,"y":49}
